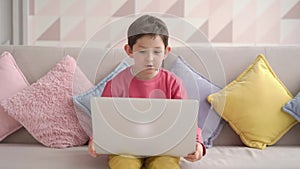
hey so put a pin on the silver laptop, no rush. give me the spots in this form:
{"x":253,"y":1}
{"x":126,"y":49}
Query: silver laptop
{"x":144,"y":127}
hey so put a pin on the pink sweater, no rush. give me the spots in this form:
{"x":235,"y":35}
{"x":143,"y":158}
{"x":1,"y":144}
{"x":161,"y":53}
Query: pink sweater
{"x":164,"y":85}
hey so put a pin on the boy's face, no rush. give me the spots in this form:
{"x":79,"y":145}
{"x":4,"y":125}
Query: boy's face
{"x":148,"y":53}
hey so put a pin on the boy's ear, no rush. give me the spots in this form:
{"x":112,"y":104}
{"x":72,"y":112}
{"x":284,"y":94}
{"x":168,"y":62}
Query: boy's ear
{"x":128,"y":50}
{"x":168,"y":50}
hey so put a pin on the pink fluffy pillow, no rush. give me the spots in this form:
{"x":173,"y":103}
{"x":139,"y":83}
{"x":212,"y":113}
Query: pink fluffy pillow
{"x":46,"y":110}
{"x":12,"y":81}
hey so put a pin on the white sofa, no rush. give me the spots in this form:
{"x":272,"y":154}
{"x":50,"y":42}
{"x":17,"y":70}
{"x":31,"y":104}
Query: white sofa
{"x":21,"y":151}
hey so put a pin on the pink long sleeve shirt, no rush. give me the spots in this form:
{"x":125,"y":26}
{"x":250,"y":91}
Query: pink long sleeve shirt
{"x":164,"y":85}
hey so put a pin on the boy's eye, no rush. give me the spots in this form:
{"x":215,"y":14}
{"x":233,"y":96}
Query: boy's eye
{"x":158,"y":52}
{"x":142,"y":51}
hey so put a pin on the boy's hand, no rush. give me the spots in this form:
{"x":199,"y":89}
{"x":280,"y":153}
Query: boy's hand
{"x":92,"y":150}
{"x":197,"y":155}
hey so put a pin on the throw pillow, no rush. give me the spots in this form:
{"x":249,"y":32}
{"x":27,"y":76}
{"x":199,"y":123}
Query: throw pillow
{"x":12,"y":81}
{"x":198,"y":87}
{"x":252,"y":105}
{"x":82,"y":101}
{"x":46,"y":110}
{"x":293,"y":107}
{"x":81,"y":84}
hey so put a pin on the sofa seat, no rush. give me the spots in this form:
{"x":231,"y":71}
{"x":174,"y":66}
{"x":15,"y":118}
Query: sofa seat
{"x":35,"y":156}
{"x":239,"y":157}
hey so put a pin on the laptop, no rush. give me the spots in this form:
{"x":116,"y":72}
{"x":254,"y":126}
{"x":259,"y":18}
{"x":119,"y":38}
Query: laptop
{"x":144,"y":126}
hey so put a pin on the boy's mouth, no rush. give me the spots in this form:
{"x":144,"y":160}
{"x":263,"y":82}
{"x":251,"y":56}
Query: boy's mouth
{"x":149,"y":66}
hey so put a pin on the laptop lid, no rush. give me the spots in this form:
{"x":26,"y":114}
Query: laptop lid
{"x":144,"y":126}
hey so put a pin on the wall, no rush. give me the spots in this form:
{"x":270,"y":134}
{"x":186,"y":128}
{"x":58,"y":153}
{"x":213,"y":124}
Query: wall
{"x":74,"y":22}
{"x":6,"y":21}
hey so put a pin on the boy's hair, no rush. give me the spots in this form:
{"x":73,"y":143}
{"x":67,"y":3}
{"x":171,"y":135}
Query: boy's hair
{"x":147,"y":25}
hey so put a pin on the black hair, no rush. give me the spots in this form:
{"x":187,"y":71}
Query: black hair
{"x":147,"y":25}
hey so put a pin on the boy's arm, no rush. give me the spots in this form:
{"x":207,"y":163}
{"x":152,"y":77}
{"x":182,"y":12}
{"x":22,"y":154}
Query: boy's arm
{"x":200,"y":149}
{"x":178,"y":90}
{"x":199,"y":139}
{"x":107,"y":90}
{"x":91,"y":149}
{"x":181,"y":93}
{"x":105,"y":93}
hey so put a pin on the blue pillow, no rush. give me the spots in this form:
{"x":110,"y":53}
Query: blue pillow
{"x":198,"y":87}
{"x":293,"y":107}
{"x":83,"y":100}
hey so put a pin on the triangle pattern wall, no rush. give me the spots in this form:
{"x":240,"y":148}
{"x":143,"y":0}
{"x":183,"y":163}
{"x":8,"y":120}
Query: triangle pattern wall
{"x":226,"y":21}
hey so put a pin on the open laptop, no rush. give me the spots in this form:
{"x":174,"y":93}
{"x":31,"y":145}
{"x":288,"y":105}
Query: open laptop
{"x":144,"y":126}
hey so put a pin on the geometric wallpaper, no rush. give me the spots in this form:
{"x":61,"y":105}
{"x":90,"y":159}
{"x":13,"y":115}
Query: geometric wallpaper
{"x":73,"y":22}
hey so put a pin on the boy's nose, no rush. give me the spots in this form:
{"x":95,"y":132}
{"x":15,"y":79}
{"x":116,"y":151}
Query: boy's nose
{"x":149,"y":56}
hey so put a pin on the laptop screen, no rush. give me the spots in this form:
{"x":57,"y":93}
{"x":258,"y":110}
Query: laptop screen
{"x":145,"y":127}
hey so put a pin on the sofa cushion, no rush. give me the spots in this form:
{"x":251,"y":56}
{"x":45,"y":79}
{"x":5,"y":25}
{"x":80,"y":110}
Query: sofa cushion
{"x":219,"y":157}
{"x":238,"y":157}
{"x":198,"y":87}
{"x":293,"y":107}
{"x":252,"y":105}
{"x":12,"y":81}
{"x":46,"y":110}
{"x":36,"y":156}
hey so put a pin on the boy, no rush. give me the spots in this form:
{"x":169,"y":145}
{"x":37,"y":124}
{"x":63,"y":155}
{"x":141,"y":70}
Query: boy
{"x":148,"y":46}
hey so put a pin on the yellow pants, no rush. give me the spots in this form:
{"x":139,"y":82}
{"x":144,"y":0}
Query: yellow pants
{"x":155,"y":162}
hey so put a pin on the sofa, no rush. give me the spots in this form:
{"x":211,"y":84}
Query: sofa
{"x":220,"y":64}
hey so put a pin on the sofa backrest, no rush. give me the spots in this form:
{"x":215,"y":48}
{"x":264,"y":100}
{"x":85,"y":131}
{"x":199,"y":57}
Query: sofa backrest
{"x":219,"y":64}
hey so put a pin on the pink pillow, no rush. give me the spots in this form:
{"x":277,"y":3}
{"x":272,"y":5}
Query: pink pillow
{"x":46,"y":109}
{"x":12,"y":81}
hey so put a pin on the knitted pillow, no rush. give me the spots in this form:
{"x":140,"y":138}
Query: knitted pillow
{"x":46,"y":110}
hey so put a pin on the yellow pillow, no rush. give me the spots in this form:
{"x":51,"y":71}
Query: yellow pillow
{"x":252,"y":103}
